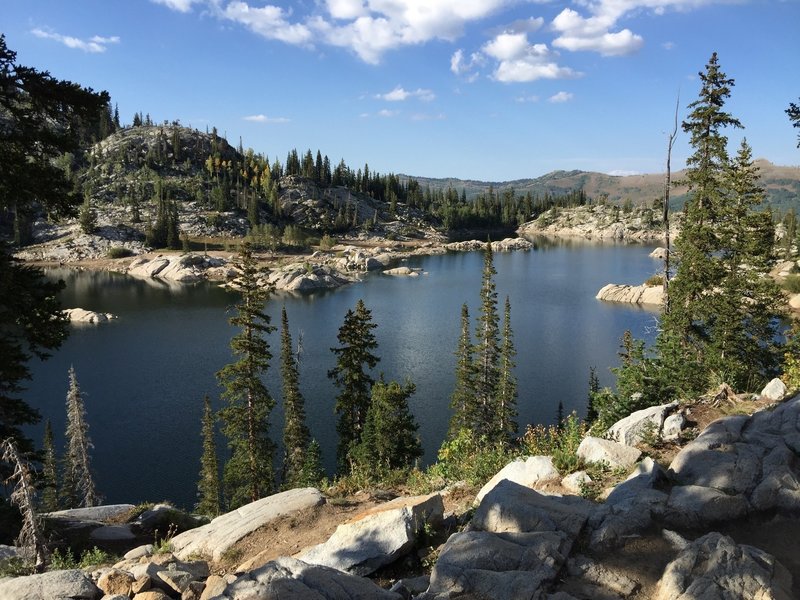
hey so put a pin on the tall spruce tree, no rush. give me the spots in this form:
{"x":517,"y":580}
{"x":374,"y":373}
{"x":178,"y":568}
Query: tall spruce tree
{"x":42,"y":119}
{"x":208,"y":487}
{"x":794,"y":116}
{"x":354,"y":359}
{"x":389,"y":440}
{"x":711,"y":325}
{"x":79,"y":488}
{"x":507,"y":385}
{"x":296,"y":436}
{"x":463,"y":398}
{"x":248,"y":473}
{"x":49,"y":485}
{"x":487,"y":349}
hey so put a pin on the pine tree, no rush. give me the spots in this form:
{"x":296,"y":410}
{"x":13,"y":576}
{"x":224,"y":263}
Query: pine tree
{"x":79,"y":489}
{"x":712,"y":323}
{"x":794,"y":116}
{"x":208,"y":488}
{"x":248,"y":473}
{"x":311,"y":473}
{"x":594,"y":388}
{"x":296,"y":436}
{"x":389,"y":440}
{"x":354,"y":358}
{"x":463,"y":398}
{"x":49,"y":471}
{"x":487,"y":350}
{"x":30,"y":541}
{"x":507,"y":386}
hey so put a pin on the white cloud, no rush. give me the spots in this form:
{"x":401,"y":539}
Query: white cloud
{"x":668,"y":45}
{"x":388,"y":113}
{"x":467,"y":68}
{"x":519,"y":61}
{"x":95,"y":44}
{"x":561,"y":97}
{"x":268,"y":21}
{"x":399,"y":94}
{"x":522,"y":99}
{"x":265,"y":119}
{"x":576,"y":32}
{"x":428,"y":117}
{"x":183,"y":6}
{"x":369,"y":28}
{"x":623,"y":173}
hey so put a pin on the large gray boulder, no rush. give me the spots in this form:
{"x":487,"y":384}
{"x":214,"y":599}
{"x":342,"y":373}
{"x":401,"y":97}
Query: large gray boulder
{"x":631,"y":294}
{"x":632,"y":429}
{"x":378,"y":536}
{"x":55,"y":585}
{"x":753,"y":457}
{"x":526,"y":472}
{"x":697,"y":506}
{"x":511,"y":507}
{"x":775,"y":390}
{"x":213,"y":539}
{"x":292,"y":579}
{"x":616,"y":455}
{"x":92,"y":513}
{"x":503,"y":566}
{"x":716,"y":567}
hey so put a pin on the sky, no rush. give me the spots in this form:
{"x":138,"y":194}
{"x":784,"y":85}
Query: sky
{"x":493,"y":90}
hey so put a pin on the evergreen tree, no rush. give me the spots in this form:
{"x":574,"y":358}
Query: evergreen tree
{"x":79,"y":488}
{"x":49,"y":471}
{"x":594,"y":388}
{"x":487,"y":350}
{"x":794,"y":116}
{"x":311,"y":473}
{"x":43,"y":118}
{"x":463,"y":398}
{"x":389,"y":440}
{"x":296,"y":436}
{"x":711,"y":324}
{"x":208,"y":488}
{"x":31,"y":541}
{"x":506,"y":411}
{"x":354,"y":358}
{"x":248,"y":473}
{"x":87,"y":217}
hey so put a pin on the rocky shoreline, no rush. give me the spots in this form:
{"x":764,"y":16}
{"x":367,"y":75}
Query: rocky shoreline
{"x":661,"y":533}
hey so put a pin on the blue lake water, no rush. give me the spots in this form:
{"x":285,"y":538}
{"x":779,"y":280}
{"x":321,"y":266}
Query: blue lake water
{"x":144,"y":376}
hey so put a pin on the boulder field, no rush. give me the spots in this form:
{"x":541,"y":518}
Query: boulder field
{"x":664,"y":532}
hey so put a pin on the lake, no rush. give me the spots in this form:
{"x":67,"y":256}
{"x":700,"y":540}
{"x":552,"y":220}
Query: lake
{"x":144,"y":375}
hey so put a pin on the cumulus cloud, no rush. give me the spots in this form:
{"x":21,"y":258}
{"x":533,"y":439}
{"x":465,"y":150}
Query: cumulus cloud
{"x":399,"y":94}
{"x":388,"y":113}
{"x":95,"y":44}
{"x":183,"y":6}
{"x":523,"y":99}
{"x":561,"y":97}
{"x":520,"y":61}
{"x":595,"y":32}
{"x":265,"y":119}
{"x":369,"y":28}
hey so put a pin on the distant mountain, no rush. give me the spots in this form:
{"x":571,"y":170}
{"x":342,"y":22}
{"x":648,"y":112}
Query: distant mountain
{"x":782,"y":185}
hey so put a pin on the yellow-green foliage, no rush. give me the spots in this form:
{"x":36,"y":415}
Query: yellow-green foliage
{"x":559,"y":441}
{"x":470,"y":459}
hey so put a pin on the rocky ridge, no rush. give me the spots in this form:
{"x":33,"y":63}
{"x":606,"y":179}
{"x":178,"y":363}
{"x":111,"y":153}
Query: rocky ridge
{"x":525,"y":538}
{"x":600,"y":222}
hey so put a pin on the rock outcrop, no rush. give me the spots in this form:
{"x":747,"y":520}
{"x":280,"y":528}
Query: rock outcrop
{"x":526,"y":472}
{"x":183,"y":268}
{"x":378,"y":536}
{"x":55,"y":585}
{"x":81,"y":315}
{"x":601,"y":223}
{"x":632,"y":294}
{"x":632,"y":430}
{"x":214,"y":539}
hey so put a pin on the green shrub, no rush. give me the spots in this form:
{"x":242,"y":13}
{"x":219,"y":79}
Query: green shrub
{"x":559,"y":441}
{"x":792,"y":284}
{"x":654,"y":280}
{"x":119,"y":252}
{"x":327,"y":242}
{"x":470,"y":459}
{"x":15,"y":567}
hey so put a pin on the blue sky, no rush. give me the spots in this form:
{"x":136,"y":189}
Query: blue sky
{"x":477,"y":89}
